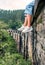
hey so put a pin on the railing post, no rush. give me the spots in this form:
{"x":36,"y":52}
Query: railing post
{"x":26,"y":46}
{"x":30,"y":45}
{"x":20,"y":43}
{"x":23,"y":45}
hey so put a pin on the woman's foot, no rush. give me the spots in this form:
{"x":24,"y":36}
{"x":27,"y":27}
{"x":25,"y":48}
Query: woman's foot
{"x":27,"y":29}
{"x":21,"y":28}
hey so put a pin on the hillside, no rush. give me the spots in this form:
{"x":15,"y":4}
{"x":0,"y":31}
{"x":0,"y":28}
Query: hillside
{"x":8,"y":50}
{"x":13,"y":18}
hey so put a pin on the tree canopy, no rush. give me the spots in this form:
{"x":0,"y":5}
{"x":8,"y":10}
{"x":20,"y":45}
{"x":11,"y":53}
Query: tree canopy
{"x":13,"y":18}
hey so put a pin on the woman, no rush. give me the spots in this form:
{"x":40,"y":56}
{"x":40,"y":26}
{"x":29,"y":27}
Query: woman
{"x":26,"y":27}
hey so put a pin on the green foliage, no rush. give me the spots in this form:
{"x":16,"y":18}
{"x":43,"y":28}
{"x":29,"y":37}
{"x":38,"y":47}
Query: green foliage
{"x":8,"y":47}
{"x":11,"y":19}
{"x":7,"y":43}
{"x":14,"y":59}
{"x":39,"y":21}
{"x":15,"y":25}
{"x":3,"y":25}
{"x":8,"y":51}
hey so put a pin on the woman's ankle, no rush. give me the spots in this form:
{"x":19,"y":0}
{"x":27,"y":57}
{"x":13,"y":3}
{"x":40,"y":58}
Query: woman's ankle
{"x":24,"y":24}
{"x":29,"y":25}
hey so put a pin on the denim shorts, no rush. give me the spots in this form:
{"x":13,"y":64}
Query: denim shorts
{"x":30,"y":8}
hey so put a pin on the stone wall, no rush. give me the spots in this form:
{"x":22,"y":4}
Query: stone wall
{"x":39,"y":40}
{"x":24,"y":43}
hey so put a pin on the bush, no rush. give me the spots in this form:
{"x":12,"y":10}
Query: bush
{"x":14,"y":59}
{"x":8,"y":52}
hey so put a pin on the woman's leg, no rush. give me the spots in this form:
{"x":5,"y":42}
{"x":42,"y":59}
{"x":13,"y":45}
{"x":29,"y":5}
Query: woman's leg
{"x":25,"y":21}
{"x":29,"y":18}
{"x":24,"y":24}
{"x":28,"y":26}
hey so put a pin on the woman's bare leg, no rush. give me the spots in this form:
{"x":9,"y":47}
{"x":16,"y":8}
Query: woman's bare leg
{"x":23,"y":26}
{"x":29,"y":18}
{"x":25,"y":21}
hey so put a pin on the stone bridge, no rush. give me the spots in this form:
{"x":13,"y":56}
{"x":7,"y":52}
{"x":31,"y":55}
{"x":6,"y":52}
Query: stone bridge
{"x":32,"y":44}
